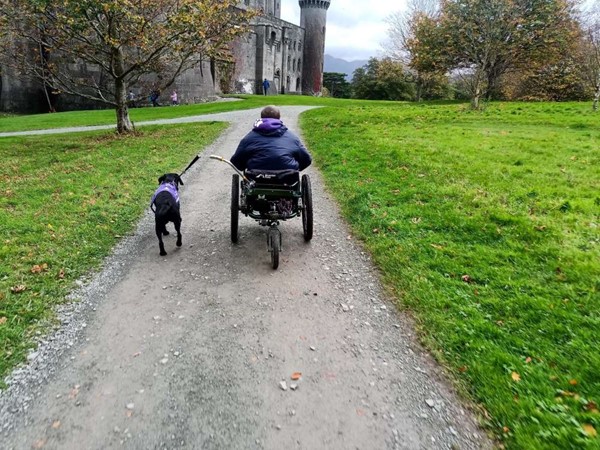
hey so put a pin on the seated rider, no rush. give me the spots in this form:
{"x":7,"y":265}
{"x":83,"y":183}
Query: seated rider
{"x":271,"y":146}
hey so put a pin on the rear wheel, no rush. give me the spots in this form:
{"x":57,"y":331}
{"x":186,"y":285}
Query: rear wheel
{"x":235,"y":206}
{"x":307,"y":208}
{"x":274,"y":246}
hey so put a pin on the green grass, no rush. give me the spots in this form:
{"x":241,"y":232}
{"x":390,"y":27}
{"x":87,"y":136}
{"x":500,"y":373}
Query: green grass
{"x":486,"y":226}
{"x":107,"y":116}
{"x":64,"y":203}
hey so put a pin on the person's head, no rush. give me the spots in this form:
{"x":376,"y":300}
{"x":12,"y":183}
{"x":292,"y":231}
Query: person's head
{"x":271,"y":112}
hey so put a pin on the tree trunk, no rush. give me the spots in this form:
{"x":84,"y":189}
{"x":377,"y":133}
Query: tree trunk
{"x":476,"y":98}
{"x":124,"y":124}
{"x":596,"y":94}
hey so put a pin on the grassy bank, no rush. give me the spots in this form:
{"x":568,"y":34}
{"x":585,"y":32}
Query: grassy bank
{"x":487,"y":228}
{"x":107,"y":116}
{"x":65,"y":201}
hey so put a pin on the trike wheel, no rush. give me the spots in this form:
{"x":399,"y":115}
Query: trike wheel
{"x":274,"y":246}
{"x":235,"y":206}
{"x":307,"y":208}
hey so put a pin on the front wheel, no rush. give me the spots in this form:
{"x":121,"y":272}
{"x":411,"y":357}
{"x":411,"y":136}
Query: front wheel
{"x":307,"y":208}
{"x":235,"y":206}
{"x":274,"y":243}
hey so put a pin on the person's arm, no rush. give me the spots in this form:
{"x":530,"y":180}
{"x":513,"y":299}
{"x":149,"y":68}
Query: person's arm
{"x":240,"y":157}
{"x":302,"y":156}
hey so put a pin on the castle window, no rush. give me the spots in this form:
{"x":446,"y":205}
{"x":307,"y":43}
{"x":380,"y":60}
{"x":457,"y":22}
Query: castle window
{"x":273,"y":36}
{"x":294,"y":45}
{"x":289,"y":63}
{"x":294,"y":65}
{"x":299,"y":65}
{"x":299,"y":46}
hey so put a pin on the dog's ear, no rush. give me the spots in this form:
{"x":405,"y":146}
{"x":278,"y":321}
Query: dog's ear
{"x":179,"y":180}
{"x":161,"y":179}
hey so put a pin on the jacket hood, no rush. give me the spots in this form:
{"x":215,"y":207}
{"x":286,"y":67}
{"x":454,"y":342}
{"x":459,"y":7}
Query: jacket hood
{"x":269,"y":127}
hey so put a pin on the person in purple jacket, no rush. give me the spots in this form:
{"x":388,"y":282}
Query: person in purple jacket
{"x":271,"y":146}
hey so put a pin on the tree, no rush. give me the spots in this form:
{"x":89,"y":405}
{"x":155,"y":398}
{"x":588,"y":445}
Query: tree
{"x":406,"y":30}
{"x":383,"y":79}
{"x":483,"y":40}
{"x":591,"y":51}
{"x":115,"y":43}
{"x":336,"y":84}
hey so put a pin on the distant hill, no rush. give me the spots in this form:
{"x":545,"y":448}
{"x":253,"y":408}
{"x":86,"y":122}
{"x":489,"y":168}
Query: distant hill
{"x":333,"y":64}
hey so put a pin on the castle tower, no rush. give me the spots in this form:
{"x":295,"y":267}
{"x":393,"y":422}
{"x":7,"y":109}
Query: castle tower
{"x":313,"y":18}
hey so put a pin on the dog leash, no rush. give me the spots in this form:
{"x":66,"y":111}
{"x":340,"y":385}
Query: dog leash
{"x":190,"y":164}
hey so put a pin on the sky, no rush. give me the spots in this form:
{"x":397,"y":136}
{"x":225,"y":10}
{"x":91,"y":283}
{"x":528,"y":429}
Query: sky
{"x":356,"y":29}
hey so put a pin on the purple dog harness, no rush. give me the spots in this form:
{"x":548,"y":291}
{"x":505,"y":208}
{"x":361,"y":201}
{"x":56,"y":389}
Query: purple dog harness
{"x":171,"y":188}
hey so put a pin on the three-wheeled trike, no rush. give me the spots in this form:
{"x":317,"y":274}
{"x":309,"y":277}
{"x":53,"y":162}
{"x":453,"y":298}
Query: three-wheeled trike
{"x":270,"y":196}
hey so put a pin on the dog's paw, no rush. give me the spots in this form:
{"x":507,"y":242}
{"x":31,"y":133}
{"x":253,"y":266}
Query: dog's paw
{"x":178,"y":243}
{"x":166,"y":233}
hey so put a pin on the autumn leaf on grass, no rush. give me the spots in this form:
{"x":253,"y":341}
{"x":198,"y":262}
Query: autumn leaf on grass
{"x":573,"y":382}
{"x":515,"y":376}
{"x":18,"y":289}
{"x":528,"y":360}
{"x":466,"y":278}
{"x":37,"y":268}
{"x":296,"y":375}
{"x":589,"y":430}
{"x":61,"y":273}
{"x":3,"y":320}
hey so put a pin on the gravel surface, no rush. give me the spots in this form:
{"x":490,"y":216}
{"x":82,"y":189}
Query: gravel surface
{"x":209,"y":347}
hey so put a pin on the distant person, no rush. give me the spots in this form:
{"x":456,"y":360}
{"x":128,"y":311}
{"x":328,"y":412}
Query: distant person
{"x":266,"y":86}
{"x":131,"y":99}
{"x":271,"y":146}
{"x":154,"y":95}
{"x":174,"y":99}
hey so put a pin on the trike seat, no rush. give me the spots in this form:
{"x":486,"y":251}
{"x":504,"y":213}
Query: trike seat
{"x":284,"y":178}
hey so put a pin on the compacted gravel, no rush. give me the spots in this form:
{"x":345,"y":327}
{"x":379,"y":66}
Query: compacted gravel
{"x":209,"y":347}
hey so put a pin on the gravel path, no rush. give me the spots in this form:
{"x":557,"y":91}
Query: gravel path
{"x":196,"y":349}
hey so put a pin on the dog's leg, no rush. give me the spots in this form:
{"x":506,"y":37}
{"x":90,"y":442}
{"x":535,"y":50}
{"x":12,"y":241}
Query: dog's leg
{"x":159,"y":230}
{"x":178,"y":229}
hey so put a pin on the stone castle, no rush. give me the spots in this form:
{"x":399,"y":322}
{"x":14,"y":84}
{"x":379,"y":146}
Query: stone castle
{"x":289,"y":56}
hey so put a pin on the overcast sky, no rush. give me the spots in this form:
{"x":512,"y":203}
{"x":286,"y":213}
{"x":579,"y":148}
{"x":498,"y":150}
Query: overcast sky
{"x":355,"y":28}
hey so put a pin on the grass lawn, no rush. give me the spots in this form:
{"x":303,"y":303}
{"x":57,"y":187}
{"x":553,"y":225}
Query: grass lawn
{"x":64,"y":203}
{"x":486,"y":227}
{"x":107,"y":116}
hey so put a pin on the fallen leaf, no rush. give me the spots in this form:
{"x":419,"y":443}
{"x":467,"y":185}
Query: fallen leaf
{"x":591,"y":407}
{"x":462,"y":369}
{"x":360,"y":412}
{"x":375,"y":230}
{"x":39,"y":443}
{"x":73,"y":393}
{"x":505,"y":429}
{"x":466,"y":278}
{"x":528,"y":360}
{"x":18,"y":288}
{"x":56,"y":424}
{"x":573,"y":382}
{"x":137,"y":354}
{"x":415,"y":220}
{"x":515,"y":376}
{"x":437,"y":247}
{"x":296,"y":376}
{"x":129,"y":413}
{"x":3,"y":320}
{"x":589,"y":430}
{"x":61,"y":274}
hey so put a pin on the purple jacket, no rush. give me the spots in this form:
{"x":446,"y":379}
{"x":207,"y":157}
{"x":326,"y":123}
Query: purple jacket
{"x":171,"y":188}
{"x":271,"y":146}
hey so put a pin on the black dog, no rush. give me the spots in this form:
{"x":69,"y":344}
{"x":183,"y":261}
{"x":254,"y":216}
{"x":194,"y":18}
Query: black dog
{"x":166,"y":201}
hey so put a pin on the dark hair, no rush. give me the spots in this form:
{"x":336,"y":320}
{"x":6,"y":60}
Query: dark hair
{"x":271,"y":112}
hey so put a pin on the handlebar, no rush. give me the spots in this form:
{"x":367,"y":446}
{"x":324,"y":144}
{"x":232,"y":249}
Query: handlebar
{"x":220,"y":158}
